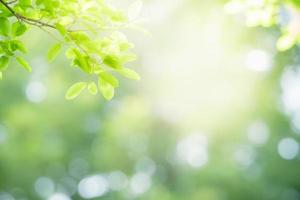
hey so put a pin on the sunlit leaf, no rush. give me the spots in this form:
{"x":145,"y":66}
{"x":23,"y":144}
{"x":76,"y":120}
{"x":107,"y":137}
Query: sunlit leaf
{"x":92,"y":87}
{"x":285,"y":42}
{"x":24,"y":64}
{"x":18,"y":29}
{"x":75,"y":90}
{"x":4,"y":26}
{"x":128,"y":73}
{"x":110,"y":79}
{"x":106,"y":89}
{"x":4,"y":60}
{"x":53,"y":52}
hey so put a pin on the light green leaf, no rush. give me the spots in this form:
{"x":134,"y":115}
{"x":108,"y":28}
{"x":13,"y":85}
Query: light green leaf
{"x":4,"y":60}
{"x":1,"y":75}
{"x":109,"y":78}
{"x":17,"y":45}
{"x":129,"y":73}
{"x":285,"y":42}
{"x":82,"y":61}
{"x":5,"y":26}
{"x":112,"y":61}
{"x":18,"y":29}
{"x":75,"y":90}
{"x":24,"y":64}
{"x":53,"y":52}
{"x":61,"y":29}
{"x":106,"y":89}
{"x":92,"y":87}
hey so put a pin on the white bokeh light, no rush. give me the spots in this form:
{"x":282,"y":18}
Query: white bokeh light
{"x":245,"y":156}
{"x":146,"y":165}
{"x":78,"y":167}
{"x":6,"y":196}
{"x":295,"y":122}
{"x":3,"y":135}
{"x":290,"y":83}
{"x":140,"y":183}
{"x":117,"y":180}
{"x":44,"y":187}
{"x":258,"y":60}
{"x":234,"y":7}
{"x":193,"y":150}
{"x":93,"y":186}
{"x":288,"y":148}
{"x":36,"y":92}
{"x":258,"y":133}
{"x":59,"y":196}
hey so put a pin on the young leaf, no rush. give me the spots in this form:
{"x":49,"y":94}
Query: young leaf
{"x":75,"y":90}
{"x":53,"y":52}
{"x":106,"y":89}
{"x":61,"y":29}
{"x":19,"y":46}
{"x":4,"y":60}
{"x":92,"y":87}
{"x":112,"y":61}
{"x":110,"y":79}
{"x":285,"y":42}
{"x":5,"y":26}
{"x":18,"y":29}
{"x":24,"y":64}
{"x":128,"y":73}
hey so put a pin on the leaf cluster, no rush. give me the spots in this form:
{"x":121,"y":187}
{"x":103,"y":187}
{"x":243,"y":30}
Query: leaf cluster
{"x":87,"y":30}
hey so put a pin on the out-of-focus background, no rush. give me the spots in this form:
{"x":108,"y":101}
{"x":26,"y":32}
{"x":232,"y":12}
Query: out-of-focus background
{"x":216,"y":116}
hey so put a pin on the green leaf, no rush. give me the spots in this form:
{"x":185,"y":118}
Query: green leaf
{"x":82,"y":61}
{"x":1,"y":75}
{"x":129,"y":73}
{"x":75,"y":90}
{"x":18,"y":29}
{"x":70,"y":54}
{"x":106,"y":89}
{"x":61,"y":29}
{"x":92,"y":87}
{"x":18,"y":45}
{"x":24,"y":64}
{"x":109,"y":78}
{"x":4,"y":60}
{"x":285,"y":42}
{"x":112,"y":61}
{"x":53,"y":52}
{"x":4,"y":26}
{"x":25,"y":2}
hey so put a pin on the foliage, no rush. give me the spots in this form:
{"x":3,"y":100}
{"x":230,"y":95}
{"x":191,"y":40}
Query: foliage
{"x":88,"y":30}
{"x":268,"y":13}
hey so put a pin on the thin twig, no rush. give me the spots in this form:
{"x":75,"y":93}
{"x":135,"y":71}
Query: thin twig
{"x":26,"y":19}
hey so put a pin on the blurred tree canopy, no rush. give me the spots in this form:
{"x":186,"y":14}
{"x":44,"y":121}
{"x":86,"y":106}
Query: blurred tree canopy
{"x":127,"y":149}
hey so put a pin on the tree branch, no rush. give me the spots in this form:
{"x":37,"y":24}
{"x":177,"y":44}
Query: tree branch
{"x":26,"y":19}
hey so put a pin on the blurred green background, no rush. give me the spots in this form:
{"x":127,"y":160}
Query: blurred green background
{"x":216,"y":116}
